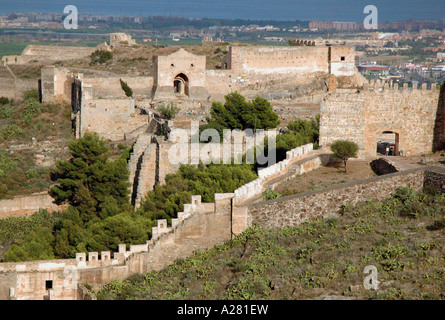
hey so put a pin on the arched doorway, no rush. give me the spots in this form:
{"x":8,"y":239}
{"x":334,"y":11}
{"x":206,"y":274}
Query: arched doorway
{"x":388,"y":143}
{"x":181,"y":84}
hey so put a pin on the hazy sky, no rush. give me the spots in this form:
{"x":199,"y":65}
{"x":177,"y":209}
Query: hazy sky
{"x":339,"y":10}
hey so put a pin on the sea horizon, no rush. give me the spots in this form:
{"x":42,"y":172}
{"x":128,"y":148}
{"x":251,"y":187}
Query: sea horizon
{"x":279,"y":10}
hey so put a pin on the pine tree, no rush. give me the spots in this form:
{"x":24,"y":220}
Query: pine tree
{"x":88,"y":177}
{"x":128,"y":91}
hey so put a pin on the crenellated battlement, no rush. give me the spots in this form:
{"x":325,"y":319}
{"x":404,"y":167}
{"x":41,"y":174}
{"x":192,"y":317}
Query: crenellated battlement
{"x":390,"y":85}
{"x":81,"y":261}
{"x":249,"y":190}
{"x":199,"y":226}
{"x":190,"y":209}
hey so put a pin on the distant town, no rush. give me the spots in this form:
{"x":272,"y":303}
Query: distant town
{"x":407,"y":51}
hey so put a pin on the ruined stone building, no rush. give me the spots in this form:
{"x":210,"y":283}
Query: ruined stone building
{"x":350,"y":107}
{"x":100,"y":104}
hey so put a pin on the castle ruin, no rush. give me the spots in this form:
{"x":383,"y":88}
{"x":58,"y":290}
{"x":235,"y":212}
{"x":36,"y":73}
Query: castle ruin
{"x":350,"y":108}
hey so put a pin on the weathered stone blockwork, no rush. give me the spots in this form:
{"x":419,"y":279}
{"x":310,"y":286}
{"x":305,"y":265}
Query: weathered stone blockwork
{"x":48,"y":54}
{"x":293,"y":210}
{"x":288,"y":60}
{"x":200,"y":228}
{"x":60,"y":279}
{"x":7,"y":83}
{"x":111,"y":118}
{"x":26,"y":205}
{"x":359,"y":115}
{"x":56,"y":84}
{"x":188,"y":68}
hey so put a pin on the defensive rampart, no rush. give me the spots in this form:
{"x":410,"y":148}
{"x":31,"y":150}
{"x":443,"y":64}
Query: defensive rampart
{"x":48,"y":54}
{"x":26,"y":205}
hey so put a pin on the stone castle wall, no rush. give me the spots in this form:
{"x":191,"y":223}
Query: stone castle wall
{"x":12,"y":87}
{"x":200,"y":226}
{"x":290,"y":60}
{"x":7,"y":83}
{"x":266,"y":60}
{"x":28,"y":280}
{"x":110,"y":118}
{"x":110,"y":87}
{"x":189,"y":67}
{"x":26,"y":205}
{"x":153,"y":158}
{"x":295,"y":209}
{"x":48,"y":54}
{"x":200,"y":84}
{"x":360,"y":115}
{"x":56,"y":84}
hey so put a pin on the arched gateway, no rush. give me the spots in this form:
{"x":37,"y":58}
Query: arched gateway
{"x":181,"y":84}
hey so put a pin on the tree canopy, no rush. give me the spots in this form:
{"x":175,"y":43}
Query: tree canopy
{"x":238,"y":113}
{"x":166,"y":200}
{"x":88,"y":181}
{"x":344,"y":149}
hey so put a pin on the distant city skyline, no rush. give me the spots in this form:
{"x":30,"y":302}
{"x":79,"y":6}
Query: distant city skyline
{"x":340,"y":10}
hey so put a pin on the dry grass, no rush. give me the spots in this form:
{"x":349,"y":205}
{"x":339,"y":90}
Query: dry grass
{"x":326,"y":176}
{"x":139,"y":58}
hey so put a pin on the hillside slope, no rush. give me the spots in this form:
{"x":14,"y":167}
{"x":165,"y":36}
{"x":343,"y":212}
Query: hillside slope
{"x":402,"y":237}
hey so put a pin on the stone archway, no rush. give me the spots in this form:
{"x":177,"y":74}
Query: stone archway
{"x":181,"y":84}
{"x":388,"y":139}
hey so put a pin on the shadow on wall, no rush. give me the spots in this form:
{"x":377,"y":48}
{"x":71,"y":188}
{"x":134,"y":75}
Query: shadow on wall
{"x":439,"y":126}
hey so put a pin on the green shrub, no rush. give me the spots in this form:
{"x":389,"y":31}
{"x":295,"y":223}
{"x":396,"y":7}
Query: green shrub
{"x":238,"y":113}
{"x":11,"y":131}
{"x":6,"y":164}
{"x":32,"y":173}
{"x":344,"y":149}
{"x":170,"y":111}
{"x":89,"y":177}
{"x":37,"y":246}
{"x":101,"y":56}
{"x":32,"y":94}
{"x":4,"y":100}
{"x":166,"y":200}
{"x":128,"y":91}
{"x":269,"y":194}
{"x":299,"y":132}
{"x":122,"y":146}
{"x":6,"y":111}
{"x":32,"y":106}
